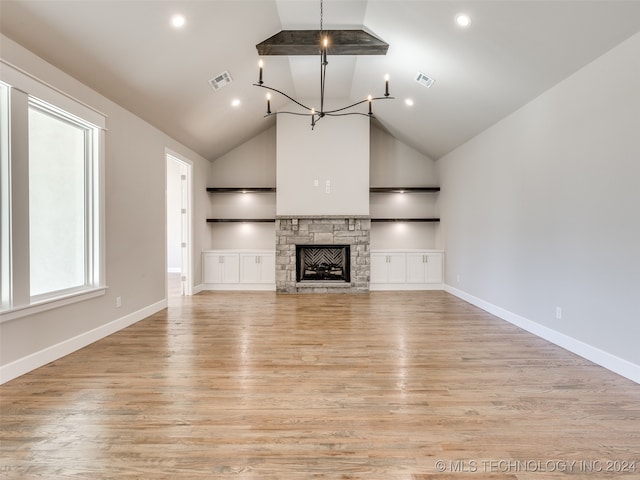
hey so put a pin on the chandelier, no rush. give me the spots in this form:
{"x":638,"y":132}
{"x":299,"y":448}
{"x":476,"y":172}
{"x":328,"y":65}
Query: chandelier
{"x":361,"y":44}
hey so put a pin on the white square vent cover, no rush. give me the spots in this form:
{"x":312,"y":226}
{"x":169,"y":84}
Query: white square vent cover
{"x":220,"y":81}
{"x":423,"y":80}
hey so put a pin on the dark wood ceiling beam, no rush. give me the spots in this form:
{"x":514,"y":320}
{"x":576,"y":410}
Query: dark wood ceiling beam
{"x":307,"y":42}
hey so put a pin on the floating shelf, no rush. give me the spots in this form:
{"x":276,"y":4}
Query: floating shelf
{"x":404,"y":189}
{"x":241,"y":220}
{"x":405,"y":219}
{"x":240,"y":189}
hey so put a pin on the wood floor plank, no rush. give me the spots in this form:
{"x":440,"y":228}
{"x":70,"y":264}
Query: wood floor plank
{"x":386,"y":385}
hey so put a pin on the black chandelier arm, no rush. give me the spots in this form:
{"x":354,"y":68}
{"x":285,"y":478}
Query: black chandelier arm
{"x":371,"y":115}
{"x":356,"y":104}
{"x":283,"y":94}
{"x":293,"y":113}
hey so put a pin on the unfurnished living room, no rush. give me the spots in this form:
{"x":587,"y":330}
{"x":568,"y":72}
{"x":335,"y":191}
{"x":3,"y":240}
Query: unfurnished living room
{"x":296,"y":239}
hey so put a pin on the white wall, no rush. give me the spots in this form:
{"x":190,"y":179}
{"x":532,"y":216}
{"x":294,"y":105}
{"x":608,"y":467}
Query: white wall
{"x":395,"y":164}
{"x":541,"y":210}
{"x":336,"y":151}
{"x":252,"y":164}
{"x":135,"y":231}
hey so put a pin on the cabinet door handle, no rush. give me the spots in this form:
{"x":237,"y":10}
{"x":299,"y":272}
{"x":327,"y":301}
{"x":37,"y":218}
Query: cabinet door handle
{"x":220,"y":259}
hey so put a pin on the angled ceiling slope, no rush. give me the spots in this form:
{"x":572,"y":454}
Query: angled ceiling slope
{"x":511,"y":53}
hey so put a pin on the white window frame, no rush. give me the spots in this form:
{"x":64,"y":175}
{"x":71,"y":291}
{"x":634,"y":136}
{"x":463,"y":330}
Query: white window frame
{"x":24,"y":90}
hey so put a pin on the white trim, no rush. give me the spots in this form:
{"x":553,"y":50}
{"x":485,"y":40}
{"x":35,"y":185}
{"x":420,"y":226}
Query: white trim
{"x":198,"y":288}
{"x":32,"y":85}
{"x":379,"y":287}
{"x":174,"y":269}
{"x":600,"y":357}
{"x":38,"y":359}
{"x":50,"y":303}
{"x":239,"y":287}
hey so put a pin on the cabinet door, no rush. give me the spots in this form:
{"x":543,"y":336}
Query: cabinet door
{"x":397,"y":268}
{"x":249,"y":268}
{"x":379,"y":268}
{"x":416,"y":267}
{"x":231,"y":269}
{"x":424,"y":268}
{"x":220,"y":268}
{"x":434,"y":268}
{"x":211,"y":268}
{"x":257,"y":268}
{"x":267,"y":268}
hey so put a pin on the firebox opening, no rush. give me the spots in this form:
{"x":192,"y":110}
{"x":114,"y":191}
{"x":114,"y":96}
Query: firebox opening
{"x":323,"y":263}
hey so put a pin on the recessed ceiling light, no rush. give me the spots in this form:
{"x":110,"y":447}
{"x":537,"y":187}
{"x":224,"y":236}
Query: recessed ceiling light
{"x":178,"y":21}
{"x":235,"y":102}
{"x":463,"y":20}
{"x":409,"y":102}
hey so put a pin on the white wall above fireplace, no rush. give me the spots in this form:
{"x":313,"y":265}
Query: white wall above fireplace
{"x":336,"y":151}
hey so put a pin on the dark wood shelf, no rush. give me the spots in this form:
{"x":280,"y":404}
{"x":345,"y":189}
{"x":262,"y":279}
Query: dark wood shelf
{"x":404,"y":189}
{"x":241,"y":220}
{"x":405,"y":219}
{"x":240,"y":189}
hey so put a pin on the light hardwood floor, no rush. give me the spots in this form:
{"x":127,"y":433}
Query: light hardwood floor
{"x":257,"y":385}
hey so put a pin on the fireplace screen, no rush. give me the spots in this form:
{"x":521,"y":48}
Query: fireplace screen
{"x":323,"y":263}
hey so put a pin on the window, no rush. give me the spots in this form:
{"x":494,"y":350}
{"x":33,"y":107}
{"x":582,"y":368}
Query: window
{"x":51,"y":213}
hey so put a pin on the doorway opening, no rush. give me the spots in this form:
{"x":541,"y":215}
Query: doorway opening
{"x":179,"y":279}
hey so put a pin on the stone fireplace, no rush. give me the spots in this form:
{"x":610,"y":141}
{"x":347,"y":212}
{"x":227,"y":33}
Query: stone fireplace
{"x":322,"y":254}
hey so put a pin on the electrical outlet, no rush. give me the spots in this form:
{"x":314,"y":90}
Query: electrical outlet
{"x":558,"y":313}
{"x":118,"y":302}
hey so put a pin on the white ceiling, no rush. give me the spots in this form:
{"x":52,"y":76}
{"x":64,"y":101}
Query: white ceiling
{"x":513,"y":51}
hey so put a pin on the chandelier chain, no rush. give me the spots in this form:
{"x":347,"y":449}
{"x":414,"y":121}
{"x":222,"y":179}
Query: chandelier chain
{"x":321,"y":16}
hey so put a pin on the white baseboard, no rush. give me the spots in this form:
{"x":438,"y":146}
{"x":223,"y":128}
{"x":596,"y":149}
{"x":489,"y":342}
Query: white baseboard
{"x":38,"y":359}
{"x":239,"y":287}
{"x":600,"y":357}
{"x":378,"y":287}
{"x":197,"y":289}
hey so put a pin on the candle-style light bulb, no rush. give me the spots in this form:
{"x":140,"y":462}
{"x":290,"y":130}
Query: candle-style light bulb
{"x":268,"y":104}
{"x":325,"y":43}
{"x":260,"y":64}
{"x":370,"y":102}
{"x":386,"y":85}
{"x":313,"y":117}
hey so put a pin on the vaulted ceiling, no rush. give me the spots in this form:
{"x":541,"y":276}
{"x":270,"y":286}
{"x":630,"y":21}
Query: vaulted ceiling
{"x":511,"y":52}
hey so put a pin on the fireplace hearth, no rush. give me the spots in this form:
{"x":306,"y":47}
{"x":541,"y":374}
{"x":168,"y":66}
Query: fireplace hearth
{"x":323,"y":263}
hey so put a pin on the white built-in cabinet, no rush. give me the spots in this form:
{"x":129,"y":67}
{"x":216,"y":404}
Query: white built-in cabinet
{"x":259,"y":268}
{"x":388,"y":267}
{"x":407,"y":270}
{"x":220,"y":268}
{"x":239,"y":270}
{"x":424,"y":267}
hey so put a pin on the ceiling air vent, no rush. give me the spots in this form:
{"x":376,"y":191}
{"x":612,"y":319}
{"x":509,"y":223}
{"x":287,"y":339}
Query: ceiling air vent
{"x":220,"y":81}
{"x":423,"y":80}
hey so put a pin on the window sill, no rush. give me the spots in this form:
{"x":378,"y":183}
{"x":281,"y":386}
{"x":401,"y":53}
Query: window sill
{"x":50,"y":303}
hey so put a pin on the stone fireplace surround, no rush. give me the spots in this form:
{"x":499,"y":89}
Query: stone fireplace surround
{"x":292,"y":230}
